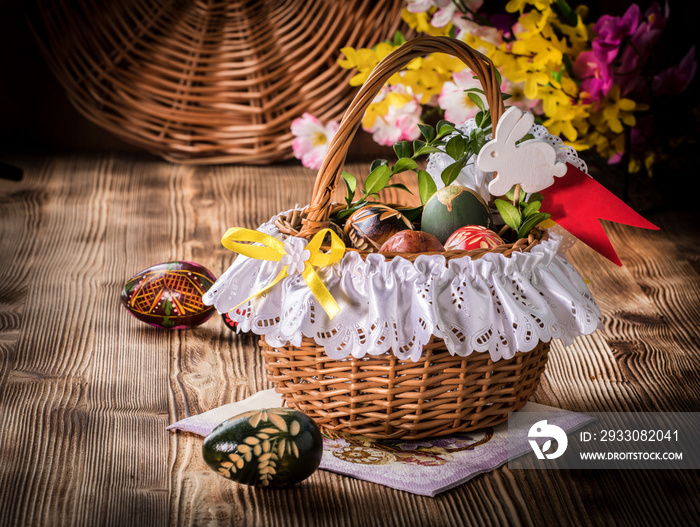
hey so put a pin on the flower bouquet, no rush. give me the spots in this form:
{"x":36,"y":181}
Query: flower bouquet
{"x":377,"y":319}
{"x":598,"y":85}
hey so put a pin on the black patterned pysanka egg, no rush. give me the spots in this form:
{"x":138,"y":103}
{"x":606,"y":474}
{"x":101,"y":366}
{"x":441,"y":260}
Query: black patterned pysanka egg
{"x":274,"y":447}
{"x":369,"y":227}
{"x":169,"y":295}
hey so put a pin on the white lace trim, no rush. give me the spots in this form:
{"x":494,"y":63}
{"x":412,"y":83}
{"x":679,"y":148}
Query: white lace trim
{"x":472,"y":177}
{"x":495,"y":304}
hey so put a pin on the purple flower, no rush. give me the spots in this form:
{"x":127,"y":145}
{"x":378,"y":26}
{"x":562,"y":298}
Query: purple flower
{"x":612,"y":28}
{"x":649,"y":31}
{"x":676,"y":79}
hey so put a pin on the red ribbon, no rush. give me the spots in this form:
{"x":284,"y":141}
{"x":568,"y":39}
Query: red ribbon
{"x":577,"y":202}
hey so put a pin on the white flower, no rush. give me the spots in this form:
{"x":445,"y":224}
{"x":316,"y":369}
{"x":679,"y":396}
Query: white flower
{"x":311,"y":139}
{"x":297,"y":255}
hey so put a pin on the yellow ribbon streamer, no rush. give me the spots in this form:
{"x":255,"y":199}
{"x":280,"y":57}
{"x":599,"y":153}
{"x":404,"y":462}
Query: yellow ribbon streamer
{"x":239,"y":240}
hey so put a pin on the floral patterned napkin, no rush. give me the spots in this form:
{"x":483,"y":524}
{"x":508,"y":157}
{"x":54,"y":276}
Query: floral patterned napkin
{"x":426,"y":467}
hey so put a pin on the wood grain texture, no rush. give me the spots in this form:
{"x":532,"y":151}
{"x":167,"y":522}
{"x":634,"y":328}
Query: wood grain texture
{"x":86,"y":391}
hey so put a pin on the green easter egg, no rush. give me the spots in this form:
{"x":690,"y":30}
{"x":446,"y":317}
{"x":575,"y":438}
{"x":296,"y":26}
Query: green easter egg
{"x":453,"y":207}
{"x":274,"y":447}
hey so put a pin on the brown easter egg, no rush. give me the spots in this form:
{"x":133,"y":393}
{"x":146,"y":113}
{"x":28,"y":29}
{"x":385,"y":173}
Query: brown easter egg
{"x":412,"y":242}
{"x":369,"y":227}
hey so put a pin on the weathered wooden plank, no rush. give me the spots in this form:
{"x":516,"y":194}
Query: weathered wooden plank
{"x":86,"y":390}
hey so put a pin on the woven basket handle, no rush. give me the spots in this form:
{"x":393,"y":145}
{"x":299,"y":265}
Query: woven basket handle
{"x":327,"y":178}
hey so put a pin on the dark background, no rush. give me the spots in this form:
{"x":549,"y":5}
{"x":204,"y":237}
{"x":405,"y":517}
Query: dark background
{"x":36,"y":115}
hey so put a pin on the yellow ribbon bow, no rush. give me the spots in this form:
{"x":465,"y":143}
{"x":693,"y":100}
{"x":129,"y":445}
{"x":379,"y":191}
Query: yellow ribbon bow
{"x":238,"y":240}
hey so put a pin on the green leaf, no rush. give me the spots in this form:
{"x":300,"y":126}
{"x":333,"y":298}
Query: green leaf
{"x":456,"y":147}
{"x":377,"y":179}
{"x":399,"y":38}
{"x":402,"y":149}
{"x":556,"y":75}
{"x":532,"y":208}
{"x":444,"y":127}
{"x":477,"y":100}
{"x":505,"y":96}
{"x":399,"y":186}
{"x":376,"y":163}
{"x":535,"y":196}
{"x":511,"y":194}
{"x":403,"y":164}
{"x":345,"y":213}
{"x":526,"y":137}
{"x":412,"y":213}
{"x":427,"y":131}
{"x":509,"y":213}
{"x":426,"y":186}
{"x":350,"y":186}
{"x":477,"y":140}
{"x":499,"y":80}
{"x":531,"y":223}
{"x":452,"y":171}
{"x":350,"y":182}
{"x":475,"y":90}
{"x":426,"y":149}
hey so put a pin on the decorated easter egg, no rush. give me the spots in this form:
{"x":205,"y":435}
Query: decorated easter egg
{"x":273,"y":447}
{"x":453,"y":207}
{"x":473,"y":237}
{"x":369,"y":227}
{"x":229,"y":322}
{"x":412,"y":242}
{"x":169,"y":295}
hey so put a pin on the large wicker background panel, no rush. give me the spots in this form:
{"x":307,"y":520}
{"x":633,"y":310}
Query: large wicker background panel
{"x":208,"y":82}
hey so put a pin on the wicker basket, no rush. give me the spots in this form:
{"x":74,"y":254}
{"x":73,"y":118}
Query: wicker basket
{"x":381,"y":396}
{"x":208,"y":82}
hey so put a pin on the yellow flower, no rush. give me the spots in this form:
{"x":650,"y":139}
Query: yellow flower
{"x":534,"y":22}
{"x":568,"y":120}
{"x":363,"y":60}
{"x":578,"y":36}
{"x":381,"y":108}
{"x":614,"y":111}
{"x":519,"y":5}
{"x":543,"y":52}
{"x":421,"y":23}
{"x":425,"y":76}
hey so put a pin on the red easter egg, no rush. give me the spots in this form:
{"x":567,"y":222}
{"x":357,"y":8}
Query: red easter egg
{"x":472,"y":237}
{"x":169,"y":295}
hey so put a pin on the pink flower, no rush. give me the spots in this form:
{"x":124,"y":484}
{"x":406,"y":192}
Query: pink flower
{"x":676,"y":79}
{"x":517,"y":95}
{"x":455,"y":101}
{"x":418,"y":6}
{"x":399,"y":124}
{"x":596,"y":75}
{"x":311,"y":139}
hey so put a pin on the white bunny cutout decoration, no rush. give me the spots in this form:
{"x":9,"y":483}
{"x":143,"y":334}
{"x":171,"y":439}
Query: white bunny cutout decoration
{"x":532,"y":163}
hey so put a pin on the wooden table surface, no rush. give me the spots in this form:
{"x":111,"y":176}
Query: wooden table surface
{"x":86,"y":391}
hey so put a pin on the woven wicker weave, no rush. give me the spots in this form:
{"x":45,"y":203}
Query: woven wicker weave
{"x":381,"y":396}
{"x":208,"y":82}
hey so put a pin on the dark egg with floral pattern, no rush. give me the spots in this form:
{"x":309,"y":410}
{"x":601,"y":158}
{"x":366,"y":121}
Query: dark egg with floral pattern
{"x":369,"y":227}
{"x":274,"y":447}
{"x":169,"y":295}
